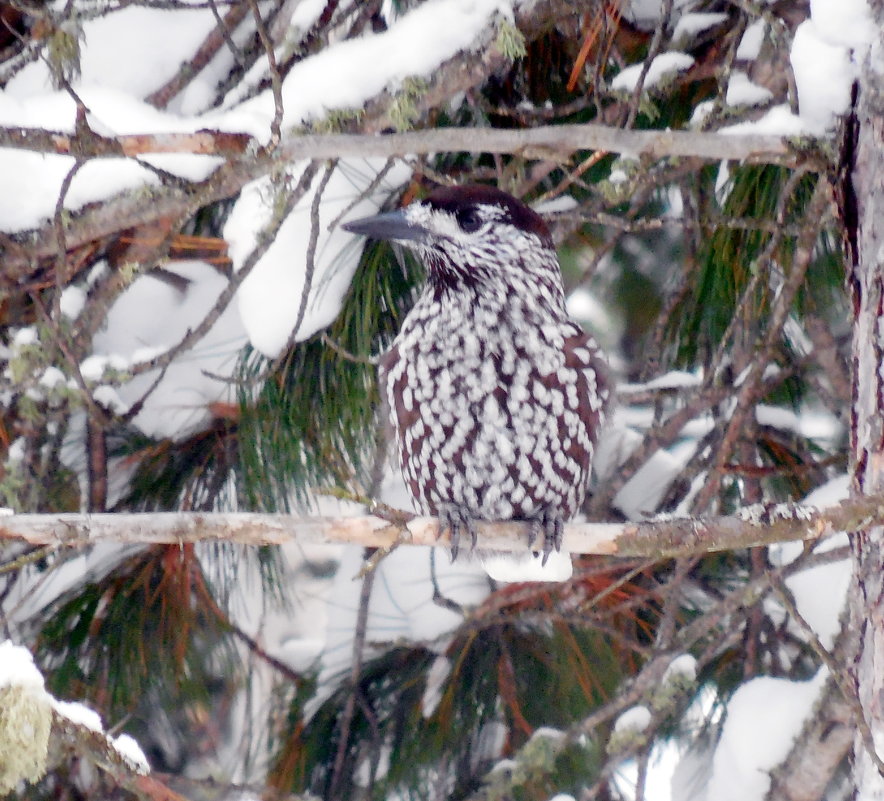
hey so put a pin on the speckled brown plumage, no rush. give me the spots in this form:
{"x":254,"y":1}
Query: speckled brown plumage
{"x":496,"y":397}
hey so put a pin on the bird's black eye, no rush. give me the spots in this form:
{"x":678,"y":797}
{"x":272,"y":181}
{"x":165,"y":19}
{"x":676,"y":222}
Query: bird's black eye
{"x":468,"y":219}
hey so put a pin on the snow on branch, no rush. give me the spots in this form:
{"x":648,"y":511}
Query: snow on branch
{"x":658,"y":538}
{"x":247,"y":161}
{"x":36,"y":729}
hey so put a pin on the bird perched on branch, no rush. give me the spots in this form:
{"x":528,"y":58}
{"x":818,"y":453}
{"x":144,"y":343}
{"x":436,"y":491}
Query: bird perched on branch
{"x":496,"y":397}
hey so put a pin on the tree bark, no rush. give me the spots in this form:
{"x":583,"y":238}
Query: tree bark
{"x":653,"y":539}
{"x":867,"y":243}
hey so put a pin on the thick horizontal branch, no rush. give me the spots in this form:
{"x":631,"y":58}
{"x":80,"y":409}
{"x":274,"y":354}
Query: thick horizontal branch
{"x":246,"y":161}
{"x":90,"y":145}
{"x":761,"y":525}
{"x":542,"y":142}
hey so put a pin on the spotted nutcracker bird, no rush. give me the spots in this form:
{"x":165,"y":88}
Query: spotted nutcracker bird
{"x":496,"y":397}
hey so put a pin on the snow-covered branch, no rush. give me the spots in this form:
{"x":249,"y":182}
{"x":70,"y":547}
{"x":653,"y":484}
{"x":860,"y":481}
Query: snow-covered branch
{"x":247,"y":162}
{"x":658,"y":538}
{"x":37,"y":729}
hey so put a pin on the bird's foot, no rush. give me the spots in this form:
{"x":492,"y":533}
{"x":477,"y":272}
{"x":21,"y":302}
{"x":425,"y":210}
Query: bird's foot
{"x":456,"y":519}
{"x":548,"y":524}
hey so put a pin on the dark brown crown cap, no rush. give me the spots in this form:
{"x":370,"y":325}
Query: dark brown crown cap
{"x":452,"y":198}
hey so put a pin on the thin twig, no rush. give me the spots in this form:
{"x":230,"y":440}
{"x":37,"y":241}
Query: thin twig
{"x":346,"y":719}
{"x":275,"y":80}
{"x":653,"y":50}
{"x":369,"y":190}
{"x":371,"y":361}
{"x":30,"y":557}
{"x":559,"y":139}
{"x":210,"y":46}
{"x":310,"y":256}
{"x":750,"y":382}
{"x":264,"y":241}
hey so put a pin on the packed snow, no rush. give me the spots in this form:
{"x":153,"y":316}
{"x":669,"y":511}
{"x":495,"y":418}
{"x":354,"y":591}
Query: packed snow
{"x":416,"y":44}
{"x":636,"y":718}
{"x":762,"y":720}
{"x":674,"y":379}
{"x":683,"y":666}
{"x":753,"y":38}
{"x":73,"y":299}
{"x":776,"y":121}
{"x":24,"y":337}
{"x":826,"y":52}
{"x":17,"y":668}
{"x":662,"y":67}
{"x":690,"y":25}
{"x":646,"y":14}
{"x":80,"y":714}
{"x":824,"y":73}
{"x":847,"y":23}
{"x":742,"y":92}
{"x":134,"y":50}
{"x":270,"y":298}
{"x":131,"y":751}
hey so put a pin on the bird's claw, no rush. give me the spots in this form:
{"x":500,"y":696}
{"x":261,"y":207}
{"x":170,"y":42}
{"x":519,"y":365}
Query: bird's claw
{"x":551,"y":527}
{"x":456,"y":519}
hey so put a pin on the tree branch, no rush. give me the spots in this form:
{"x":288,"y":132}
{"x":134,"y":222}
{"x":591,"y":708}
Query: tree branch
{"x":544,"y":141}
{"x":245,"y":164}
{"x":247,"y":160}
{"x":656,"y":539}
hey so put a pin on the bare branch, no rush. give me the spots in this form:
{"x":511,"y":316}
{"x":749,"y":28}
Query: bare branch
{"x":544,"y":141}
{"x":225,"y":297}
{"x":749,"y":390}
{"x":203,"y":55}
{"x":834,"y":662}
{"x":275,"y":77}
{"x":247,"y":162}
{"x":656,"y":539}
{"x":246,"y":159}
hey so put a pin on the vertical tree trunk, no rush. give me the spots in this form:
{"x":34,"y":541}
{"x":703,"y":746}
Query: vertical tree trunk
{"x":866,"y":231}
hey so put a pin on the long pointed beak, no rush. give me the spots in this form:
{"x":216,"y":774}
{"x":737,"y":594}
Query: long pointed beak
{"x":392,"y":225}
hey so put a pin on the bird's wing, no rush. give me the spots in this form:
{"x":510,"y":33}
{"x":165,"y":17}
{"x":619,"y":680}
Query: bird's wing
{"x":583,"y":353}
{"x":392,"y":381}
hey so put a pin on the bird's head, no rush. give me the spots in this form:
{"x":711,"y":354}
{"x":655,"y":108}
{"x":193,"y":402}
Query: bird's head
{"x":472,"y":236}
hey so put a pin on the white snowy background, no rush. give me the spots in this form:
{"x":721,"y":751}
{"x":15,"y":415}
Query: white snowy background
{"x":128,"y":53}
